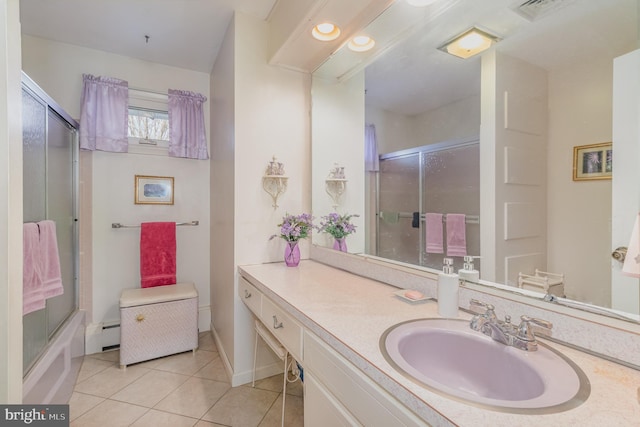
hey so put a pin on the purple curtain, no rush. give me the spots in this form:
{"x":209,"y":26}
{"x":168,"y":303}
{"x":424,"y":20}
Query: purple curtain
{"x":104,"y":114}
{"x":186,"y":125}
{"x":371,"y":158}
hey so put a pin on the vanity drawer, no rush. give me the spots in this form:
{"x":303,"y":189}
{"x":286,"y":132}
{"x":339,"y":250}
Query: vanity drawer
{"x":283,"y":327}
{"x":250,"y":296}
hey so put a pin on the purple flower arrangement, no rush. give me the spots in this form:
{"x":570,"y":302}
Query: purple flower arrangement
{"x":339,"y":226}
{"x":295,"y":227}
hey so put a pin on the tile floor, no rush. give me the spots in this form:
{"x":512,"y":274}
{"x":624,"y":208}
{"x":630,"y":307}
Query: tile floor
{"x":186,"y":389}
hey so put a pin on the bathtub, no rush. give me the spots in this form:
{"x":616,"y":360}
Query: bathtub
{"x":52,"y":378}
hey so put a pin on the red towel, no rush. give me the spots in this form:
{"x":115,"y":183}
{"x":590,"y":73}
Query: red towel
{"x":157,"y":254}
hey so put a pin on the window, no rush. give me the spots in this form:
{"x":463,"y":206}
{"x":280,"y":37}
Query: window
{"x":148,"y":126}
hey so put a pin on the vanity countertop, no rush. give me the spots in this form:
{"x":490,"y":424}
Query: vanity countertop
{"x":350,"y":313}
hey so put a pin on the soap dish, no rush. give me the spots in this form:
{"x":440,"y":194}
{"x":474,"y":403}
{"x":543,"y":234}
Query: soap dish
{"x":400,"y":293}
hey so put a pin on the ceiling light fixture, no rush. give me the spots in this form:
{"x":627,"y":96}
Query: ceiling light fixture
{"x":361,"y":43}
{"x":325,"y":32}
{"x":469,"y":43}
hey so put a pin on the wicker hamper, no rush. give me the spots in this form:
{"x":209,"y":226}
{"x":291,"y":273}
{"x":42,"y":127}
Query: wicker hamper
{"x":158,"y":321}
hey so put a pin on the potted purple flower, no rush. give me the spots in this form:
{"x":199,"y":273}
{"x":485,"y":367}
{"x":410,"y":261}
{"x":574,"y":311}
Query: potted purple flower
{"x":339,"y":226}
{"x":292,"y":229}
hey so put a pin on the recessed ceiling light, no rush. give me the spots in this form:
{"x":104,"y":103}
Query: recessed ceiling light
{"x":469,"y":43}
{"x":421,"y":3}
{"x":361,"y":43}
{"x":326,"y":31}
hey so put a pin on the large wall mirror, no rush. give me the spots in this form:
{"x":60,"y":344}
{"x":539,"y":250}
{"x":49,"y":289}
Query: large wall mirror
{"x":495,"y":137}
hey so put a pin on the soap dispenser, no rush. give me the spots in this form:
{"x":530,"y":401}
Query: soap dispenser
{"x":468,"y":272}
{"x":448,"y":284}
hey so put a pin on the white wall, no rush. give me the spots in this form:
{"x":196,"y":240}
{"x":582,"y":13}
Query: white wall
{"x":223,"y":203}
{"x":579,"y":212}
{"x":455,"y":121}
{"x":10,"y":205}
{"x":393,"y":131}
{"x":58,"y":69}
{"x":459,"y":120}
{"x":264,"y":111}
{"x":342,"y":105}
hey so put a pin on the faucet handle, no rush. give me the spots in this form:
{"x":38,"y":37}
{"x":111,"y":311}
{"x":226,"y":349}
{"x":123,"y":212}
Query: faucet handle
{"x":524,"y":329}
{"x":489,"y":312}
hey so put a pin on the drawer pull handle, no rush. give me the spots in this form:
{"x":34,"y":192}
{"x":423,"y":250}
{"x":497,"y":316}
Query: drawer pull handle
{"x":277,"y":325}
{"x":247,"y":294}
{"x":140,"y":318}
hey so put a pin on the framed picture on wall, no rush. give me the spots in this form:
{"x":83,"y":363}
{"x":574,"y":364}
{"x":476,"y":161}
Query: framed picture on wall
{"x":153,"y":190}
{"x":593,"y":161}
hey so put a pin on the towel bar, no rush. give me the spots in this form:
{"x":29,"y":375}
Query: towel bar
{"x":118,"y":225}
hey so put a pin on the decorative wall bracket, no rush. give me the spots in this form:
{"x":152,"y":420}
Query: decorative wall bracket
{"x":336,"y":184}
{"x":274,"y":181}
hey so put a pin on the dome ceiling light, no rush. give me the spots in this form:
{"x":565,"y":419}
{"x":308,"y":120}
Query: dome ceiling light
{"x":361,"y":43}
{"x":325,"y":32}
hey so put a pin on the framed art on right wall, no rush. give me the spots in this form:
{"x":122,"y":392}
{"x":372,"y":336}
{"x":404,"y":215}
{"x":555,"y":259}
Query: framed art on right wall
{"x":593,"y":161}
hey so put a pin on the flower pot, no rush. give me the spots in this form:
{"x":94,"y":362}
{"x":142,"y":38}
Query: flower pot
{"x":340,"y":244}
{"x":292,"y":254}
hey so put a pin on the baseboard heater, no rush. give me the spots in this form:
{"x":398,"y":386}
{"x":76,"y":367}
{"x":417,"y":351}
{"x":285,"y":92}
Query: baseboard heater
{"x":110,"y":336}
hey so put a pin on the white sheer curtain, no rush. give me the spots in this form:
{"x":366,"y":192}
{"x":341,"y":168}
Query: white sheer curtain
{"x":186,"y":125}
{"x":371,"y":158}
{"x":104,"y":114}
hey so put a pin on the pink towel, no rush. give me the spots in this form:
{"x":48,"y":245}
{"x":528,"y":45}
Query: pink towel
{"x":32,"y":296}
{"x":157,"y":254}
{"x":456,"y":235}
{"x":433,"y":230}
{"x":51,"y":276}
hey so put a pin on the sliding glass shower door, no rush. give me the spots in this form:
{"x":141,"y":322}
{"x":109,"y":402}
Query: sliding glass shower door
{"x":49,"y":192}
{"x":440,"y":178}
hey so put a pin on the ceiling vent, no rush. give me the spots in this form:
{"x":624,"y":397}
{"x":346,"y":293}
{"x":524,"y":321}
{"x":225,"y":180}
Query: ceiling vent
{"x":536,"y":9}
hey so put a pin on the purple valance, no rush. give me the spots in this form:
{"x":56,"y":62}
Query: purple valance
{"x":104,"y":114}
{"x":187,"y":136}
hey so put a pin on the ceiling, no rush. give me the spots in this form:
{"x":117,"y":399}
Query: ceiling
{"x":407,"y":74}
{"x":182,"y":33}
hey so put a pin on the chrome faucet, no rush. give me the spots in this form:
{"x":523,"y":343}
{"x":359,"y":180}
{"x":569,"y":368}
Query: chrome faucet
{"x":503,"y":331}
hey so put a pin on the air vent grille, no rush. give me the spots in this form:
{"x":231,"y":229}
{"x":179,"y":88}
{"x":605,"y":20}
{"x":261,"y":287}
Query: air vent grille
{"x":536,"y":9}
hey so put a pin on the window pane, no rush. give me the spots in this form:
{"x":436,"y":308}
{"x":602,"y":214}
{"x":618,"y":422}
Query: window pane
{"x":148,"y":124}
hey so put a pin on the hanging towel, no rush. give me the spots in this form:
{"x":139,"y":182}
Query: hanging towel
{"x":50,"y":259}
{"x":433,"y":233}
{"x":157,"y":254}
{"x":32,"y":296}
{"x":456,"y":235}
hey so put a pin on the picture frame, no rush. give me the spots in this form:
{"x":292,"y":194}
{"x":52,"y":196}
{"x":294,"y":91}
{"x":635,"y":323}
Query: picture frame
{"x":594,"y":161}
{"x":153,"y":190}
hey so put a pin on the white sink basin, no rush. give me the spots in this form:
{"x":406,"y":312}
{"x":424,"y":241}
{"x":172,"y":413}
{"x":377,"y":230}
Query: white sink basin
{"x":446,"y":356}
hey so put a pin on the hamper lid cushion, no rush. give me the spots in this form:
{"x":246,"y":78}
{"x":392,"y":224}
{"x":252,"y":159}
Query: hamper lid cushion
{"x":157,"y":294}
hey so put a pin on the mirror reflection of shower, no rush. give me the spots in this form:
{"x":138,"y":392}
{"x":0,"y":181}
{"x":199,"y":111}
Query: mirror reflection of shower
{"x":438,"y":179}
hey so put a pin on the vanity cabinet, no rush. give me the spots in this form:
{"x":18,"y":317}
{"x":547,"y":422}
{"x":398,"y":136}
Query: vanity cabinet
{"x":336,"y":389}
{"x":336,"y":393}
{"x":281,"y":325}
